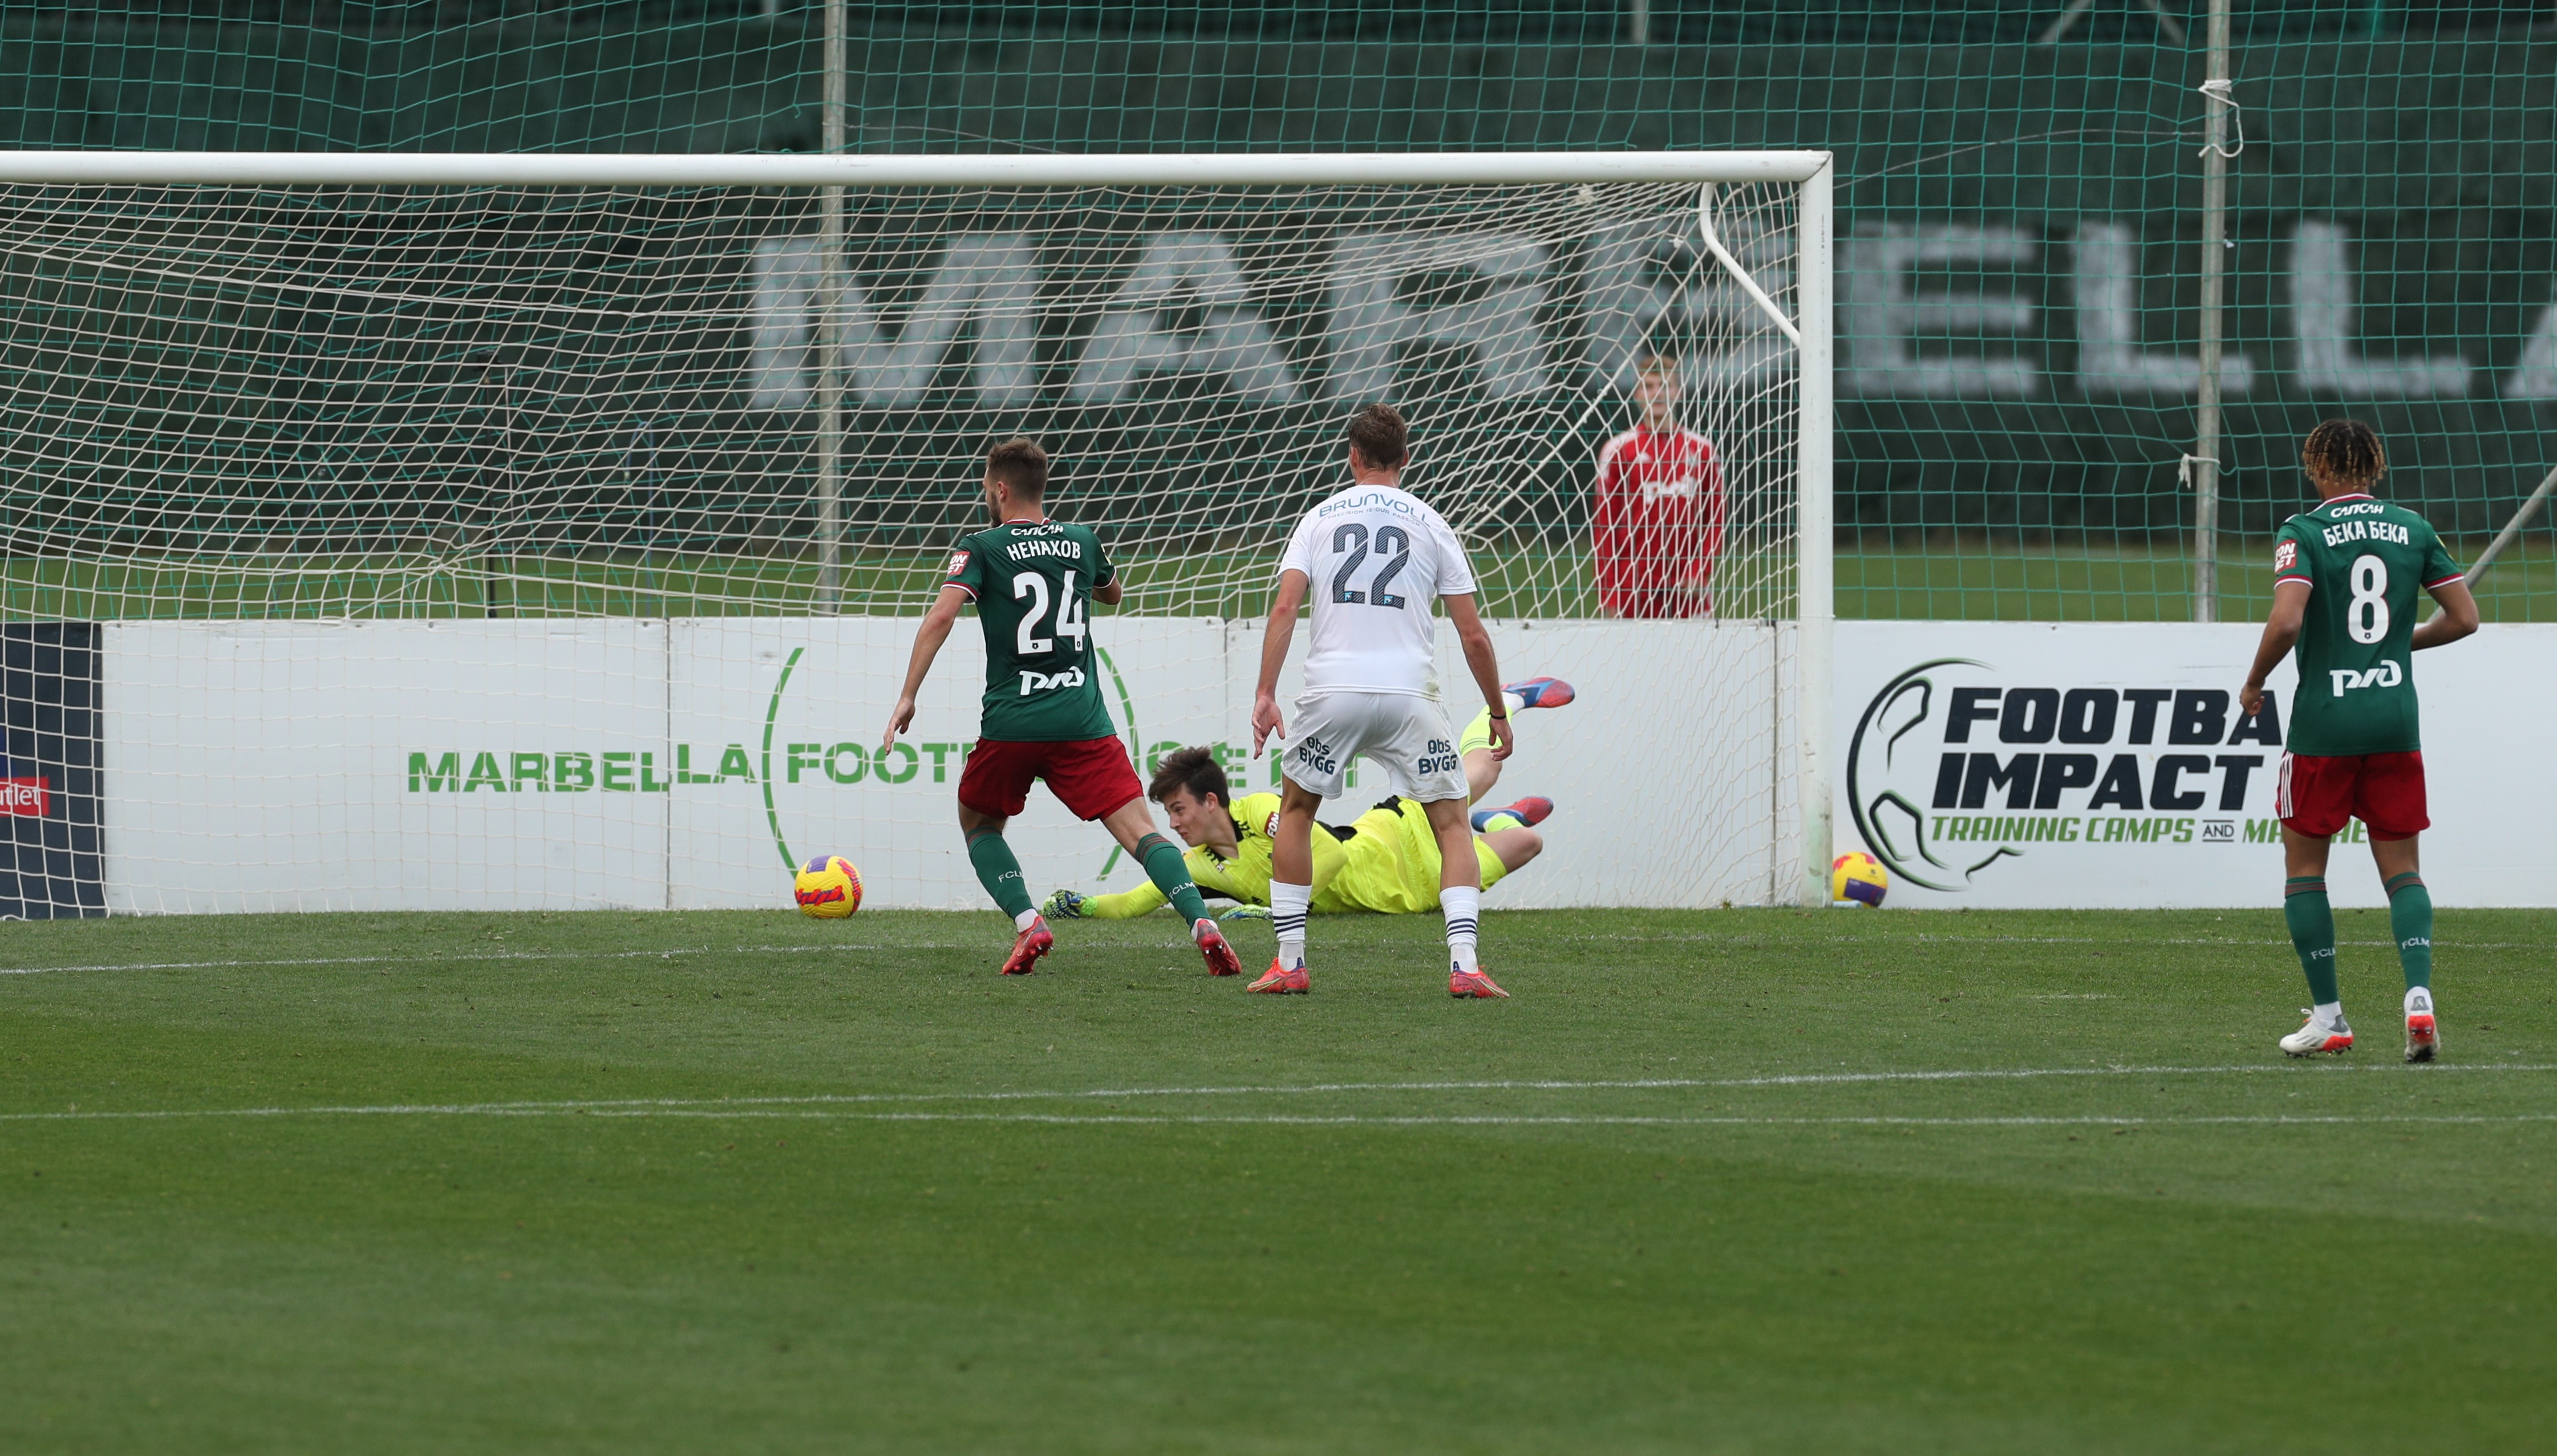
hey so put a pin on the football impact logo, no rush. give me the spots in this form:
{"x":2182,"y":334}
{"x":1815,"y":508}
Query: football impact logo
{"x":1889,"y":707}
{"x":1947,"y":774}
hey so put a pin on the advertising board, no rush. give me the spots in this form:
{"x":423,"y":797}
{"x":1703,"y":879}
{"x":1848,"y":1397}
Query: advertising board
{"x":48,"y":771}
{"x":2103,"y":765}
{"x":579,"y":765}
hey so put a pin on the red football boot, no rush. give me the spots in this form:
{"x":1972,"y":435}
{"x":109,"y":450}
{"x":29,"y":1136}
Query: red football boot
{"x":1533,"y":809}
{"x":1027,"y":947}
{"x":1474,"y":985}
{"x":1541,"y":692}
{"x":2423,"y":1037}
{"x":1220,"y":957}
{"x":1279,"y":982}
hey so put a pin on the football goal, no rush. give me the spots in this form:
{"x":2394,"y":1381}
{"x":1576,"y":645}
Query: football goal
{"x":519,"y":531}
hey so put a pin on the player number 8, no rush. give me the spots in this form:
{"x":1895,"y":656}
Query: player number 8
{"x":2367,"y":615}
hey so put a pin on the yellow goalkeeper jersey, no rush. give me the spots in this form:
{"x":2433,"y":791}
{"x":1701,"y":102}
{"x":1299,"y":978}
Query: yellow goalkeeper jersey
{"x":1387,"y":861}
{"x":1393,"y":862}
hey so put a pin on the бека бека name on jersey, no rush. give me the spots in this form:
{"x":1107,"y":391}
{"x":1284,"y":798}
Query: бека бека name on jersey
{"x":2366,"y":562}
{"x":1032,"y":583}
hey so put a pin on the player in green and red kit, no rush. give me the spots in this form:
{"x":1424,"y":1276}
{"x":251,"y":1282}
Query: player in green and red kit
{"x":1033,"y":581}
{"x":2344,"y":580}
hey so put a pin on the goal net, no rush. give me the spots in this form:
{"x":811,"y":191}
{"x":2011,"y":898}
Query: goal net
{"x":475,"y":541}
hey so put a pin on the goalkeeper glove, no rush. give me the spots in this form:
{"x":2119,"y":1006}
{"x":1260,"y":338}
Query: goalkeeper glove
{"x":1246,"y":912}
{"x":1065,"y":904}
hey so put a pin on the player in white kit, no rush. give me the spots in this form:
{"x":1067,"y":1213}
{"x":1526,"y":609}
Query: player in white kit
{"x":1374,"y":557}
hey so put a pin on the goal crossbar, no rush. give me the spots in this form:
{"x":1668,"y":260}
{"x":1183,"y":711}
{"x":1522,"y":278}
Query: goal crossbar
{"x":837,"y":349}
{"x":561,"y":169}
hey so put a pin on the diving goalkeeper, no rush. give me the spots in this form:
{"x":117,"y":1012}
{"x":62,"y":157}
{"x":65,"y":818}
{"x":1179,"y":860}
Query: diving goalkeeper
{"x":1385,"y":861}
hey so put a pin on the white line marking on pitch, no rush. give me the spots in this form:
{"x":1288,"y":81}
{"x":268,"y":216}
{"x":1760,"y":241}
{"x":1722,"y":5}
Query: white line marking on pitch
{"x":1283,"y":1119}
{"x":1736,"y":941}
{"x":815,"y":1105}
{"x":657,"y":955}
{"x":1755,"y":939}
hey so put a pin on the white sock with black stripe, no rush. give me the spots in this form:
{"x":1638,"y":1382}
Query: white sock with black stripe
{"x":1464,"y":912}
{"x":1287,"y":906}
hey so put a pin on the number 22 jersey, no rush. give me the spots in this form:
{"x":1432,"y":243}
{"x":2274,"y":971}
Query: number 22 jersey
{"x":2366,"y":562}
{"x":1375,"y":557}
{"x":1032,"y":583}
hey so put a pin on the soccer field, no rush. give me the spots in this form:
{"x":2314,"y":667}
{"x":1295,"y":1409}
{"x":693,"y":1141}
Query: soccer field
{"x":1736,"y":1181}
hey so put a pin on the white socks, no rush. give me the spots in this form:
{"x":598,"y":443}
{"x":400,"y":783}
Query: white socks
{"x":2419,"y":1001}
{"x":1025,"y":920}
{"x":1464,"y":910}
{"x":2329,"y":1014}
{"x":1287,"y":906}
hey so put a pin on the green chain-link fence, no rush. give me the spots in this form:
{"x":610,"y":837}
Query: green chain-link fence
{"x":2019,"y":206}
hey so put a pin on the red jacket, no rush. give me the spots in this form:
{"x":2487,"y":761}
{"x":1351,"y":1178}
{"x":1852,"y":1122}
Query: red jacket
{"x":1656,"y":523}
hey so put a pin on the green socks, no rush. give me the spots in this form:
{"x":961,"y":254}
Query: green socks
{"x":1165,"y":867}
{"x":2410,"y":920}
{"x":2312,"y":922}
{"x":999,"y":872}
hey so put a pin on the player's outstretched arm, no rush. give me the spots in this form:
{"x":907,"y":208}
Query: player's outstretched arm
{"x":927,"y":646}
{"x":2281,"y":633}
{"x":2457,"y":618}
{"x":1274,"y":656}
{"x":1478,"y":642}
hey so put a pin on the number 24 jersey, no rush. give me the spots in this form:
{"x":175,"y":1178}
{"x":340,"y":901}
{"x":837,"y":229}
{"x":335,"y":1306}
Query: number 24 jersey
{"x":1032,"y":583}
{"x":2366,"y":563}
{"x":1375,"y":557}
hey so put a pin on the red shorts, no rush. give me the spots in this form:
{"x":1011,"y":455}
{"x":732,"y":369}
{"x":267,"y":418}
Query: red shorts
{"x":2384,"y":790}
{"x":1093,"y":776}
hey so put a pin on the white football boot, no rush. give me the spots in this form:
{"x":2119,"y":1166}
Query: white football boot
{"x":2317,"y":1036}
{"x":2423,"y":1035}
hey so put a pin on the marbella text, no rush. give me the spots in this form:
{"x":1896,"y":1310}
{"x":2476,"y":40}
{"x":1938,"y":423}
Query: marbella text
{"x":684,"y":765}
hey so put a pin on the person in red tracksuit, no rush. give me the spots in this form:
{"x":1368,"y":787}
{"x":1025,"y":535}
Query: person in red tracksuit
{"x":1656,"y":515}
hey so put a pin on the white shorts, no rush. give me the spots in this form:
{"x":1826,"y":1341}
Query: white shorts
{"x":1406,"y":735}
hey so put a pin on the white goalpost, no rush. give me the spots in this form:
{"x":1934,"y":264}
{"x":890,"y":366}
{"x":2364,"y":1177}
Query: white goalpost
{"x":546,"y":531}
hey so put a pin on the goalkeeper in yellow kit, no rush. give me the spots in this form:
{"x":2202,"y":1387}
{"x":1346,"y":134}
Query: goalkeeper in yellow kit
{"x":1385,"y":861}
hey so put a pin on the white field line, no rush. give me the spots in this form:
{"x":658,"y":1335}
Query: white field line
{"x":1449,"y":1120}
{"x":849,"y":1105}
{"x":656,"y":955}
{"x":1923,"y":938}
{"x":674,"y":952}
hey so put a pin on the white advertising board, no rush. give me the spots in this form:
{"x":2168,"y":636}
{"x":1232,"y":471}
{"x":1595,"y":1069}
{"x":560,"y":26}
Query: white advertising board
{"x":578,"y":764}
{"x":581,"y":764}
{"x":2101,"y":764}
{"x":262,"y":765}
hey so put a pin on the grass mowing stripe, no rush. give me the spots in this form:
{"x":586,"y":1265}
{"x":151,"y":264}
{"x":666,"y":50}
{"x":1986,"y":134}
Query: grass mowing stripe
{"x":1310,"y":1119}
{"x":818,"y":1103}
{"x":1850,"y":1251}
{"x":670,"y":954}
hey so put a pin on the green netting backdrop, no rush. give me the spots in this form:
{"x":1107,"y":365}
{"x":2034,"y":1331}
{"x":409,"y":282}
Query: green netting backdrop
{"x":2019,"y":204}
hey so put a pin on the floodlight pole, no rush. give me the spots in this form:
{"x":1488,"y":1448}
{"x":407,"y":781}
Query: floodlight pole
{"x":2217,"y":104}
{"x":829,"y":332}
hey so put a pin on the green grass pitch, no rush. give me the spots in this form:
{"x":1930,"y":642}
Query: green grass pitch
{"x":1748,"y":1182}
